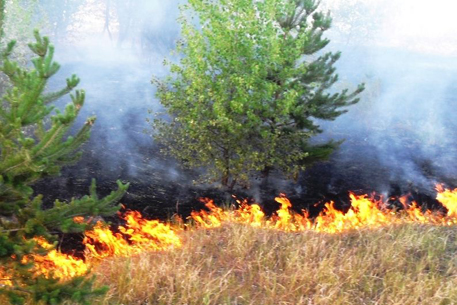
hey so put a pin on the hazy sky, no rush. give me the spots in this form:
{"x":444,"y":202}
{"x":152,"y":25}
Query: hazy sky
{"x":410,"y":24}
{"x":425,"y":25}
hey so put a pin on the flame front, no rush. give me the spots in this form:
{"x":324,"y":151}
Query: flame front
{"x":53,"y":264}
{"x":364,"y":212}
{"x":139,"y":235}
{"x":56,"y":264}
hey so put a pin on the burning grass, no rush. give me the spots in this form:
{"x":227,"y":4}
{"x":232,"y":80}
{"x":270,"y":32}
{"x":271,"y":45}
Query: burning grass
{"x":368,"y":255}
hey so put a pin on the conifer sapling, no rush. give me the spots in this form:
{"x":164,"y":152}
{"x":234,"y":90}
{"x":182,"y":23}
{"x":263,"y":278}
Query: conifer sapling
{"x":35,"y":143}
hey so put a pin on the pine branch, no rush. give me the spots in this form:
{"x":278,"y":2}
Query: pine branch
{"x":31,"y":150}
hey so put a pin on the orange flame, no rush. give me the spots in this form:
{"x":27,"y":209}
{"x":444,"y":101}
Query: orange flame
{"x":53,"y":264}
{"x":56,"y":264}
{"x":448,"y":199}
{"x":139,"y":235}
{"x":364,"y":212}
{"x":213,"y":219}
{"x":250,"y":214}
{"x":5,"y":278}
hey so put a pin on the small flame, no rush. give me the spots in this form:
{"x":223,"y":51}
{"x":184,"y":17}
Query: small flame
{"x":56,"y":264}
{"x":5,"y":278}
{"x":138,"y":235}
{"x":53,"y":264}
{"x":213,"y":219}
{"x":448,"y":199}
{"x":250,"y":214}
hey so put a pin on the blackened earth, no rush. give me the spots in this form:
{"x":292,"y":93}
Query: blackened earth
{"x":119,"y":148}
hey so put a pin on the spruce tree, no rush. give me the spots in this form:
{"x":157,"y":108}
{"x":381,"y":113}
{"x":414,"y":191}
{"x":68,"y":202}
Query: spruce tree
{"x":35,"y":143}
{"x":250,"y":87}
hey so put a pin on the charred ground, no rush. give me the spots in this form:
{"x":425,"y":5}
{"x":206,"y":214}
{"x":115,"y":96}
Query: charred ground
{"x":387,"y":149}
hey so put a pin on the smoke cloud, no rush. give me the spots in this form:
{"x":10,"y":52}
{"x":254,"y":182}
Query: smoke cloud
{"x":403,"y":129}
{"x":401,"y":134}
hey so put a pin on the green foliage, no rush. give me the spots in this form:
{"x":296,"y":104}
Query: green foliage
{"x":20,"y":18}
{"x":34,"y":143}
{"x":250,"y":85}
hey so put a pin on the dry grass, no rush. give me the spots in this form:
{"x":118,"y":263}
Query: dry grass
{"x":237,"y":264}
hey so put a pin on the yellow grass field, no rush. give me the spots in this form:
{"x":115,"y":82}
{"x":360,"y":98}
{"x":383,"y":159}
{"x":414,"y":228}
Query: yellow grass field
{"x":240,"y":264}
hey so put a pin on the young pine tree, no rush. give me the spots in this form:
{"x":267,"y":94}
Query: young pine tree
{"x":250,"y":85}
{"x":34,"y":143}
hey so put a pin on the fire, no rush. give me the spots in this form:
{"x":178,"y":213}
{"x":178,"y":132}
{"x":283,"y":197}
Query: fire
{"x":250,"y":214}
{"x":56,"y":264}
{"x":210,"y":220}
{"x":139,"y":235}
{"x":53,"y":264}
{"x":5,"y":278}
{"x":365,"y":212}
{"x":448,"y":199}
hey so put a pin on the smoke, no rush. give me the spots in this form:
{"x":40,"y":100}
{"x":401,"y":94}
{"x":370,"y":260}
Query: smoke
{"x":404,"y":125}
{"x":116,"y":65}
{"x":402,"y":132}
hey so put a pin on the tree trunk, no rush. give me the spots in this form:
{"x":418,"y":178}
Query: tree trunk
{"x":266,"y":173}
{"x":107,"y":19}
{"x":225,"y":179}
{"x":226,"y":175}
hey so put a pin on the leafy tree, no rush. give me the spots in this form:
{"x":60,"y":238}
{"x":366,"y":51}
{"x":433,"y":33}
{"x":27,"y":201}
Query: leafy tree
{"x":250,"y":87}
{"x":34,"y":143}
